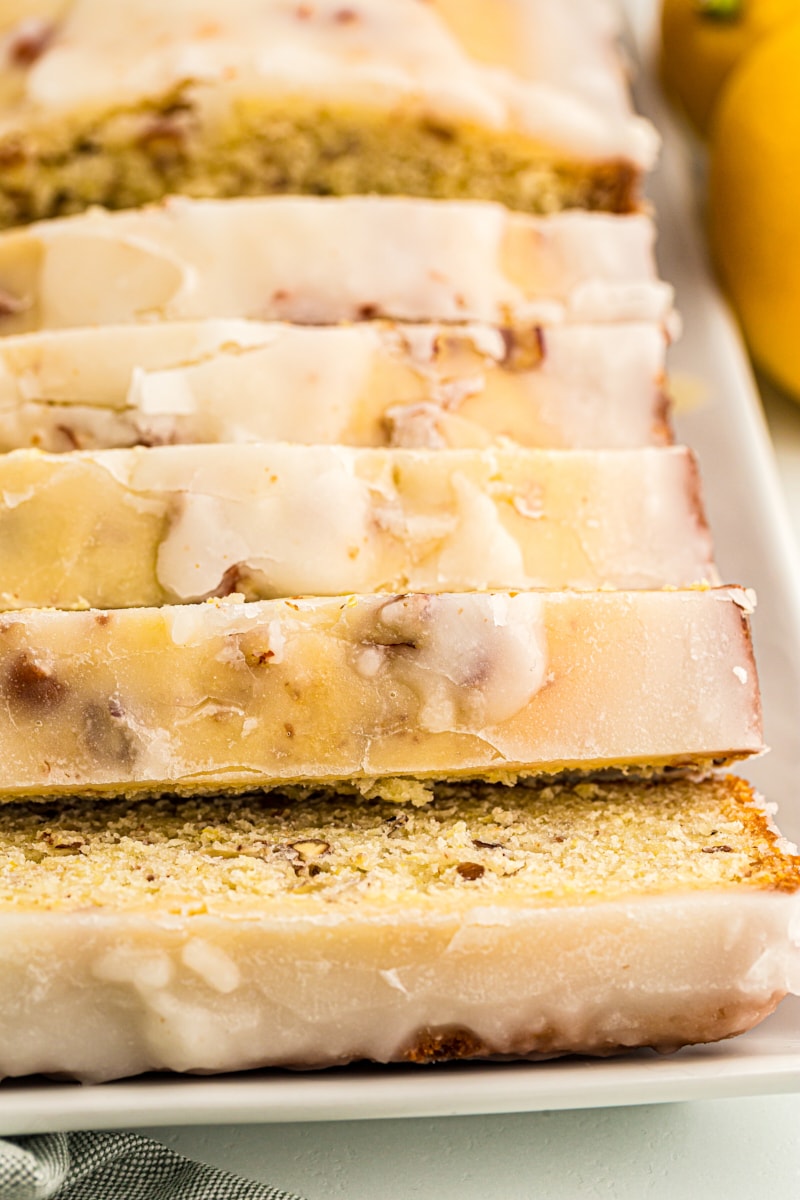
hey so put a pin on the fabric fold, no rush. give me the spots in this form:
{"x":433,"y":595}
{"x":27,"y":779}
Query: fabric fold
{"x":104,"y":1166}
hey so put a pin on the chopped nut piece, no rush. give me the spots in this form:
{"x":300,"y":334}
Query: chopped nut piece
{"x":29,"y":42}
{"x":471,"y":870}
{"x":311,"y":849}
{"x":62,"y":843}
{"x":10,"y":305}
{"x":33,"y":684}
{"x":525,"y":348}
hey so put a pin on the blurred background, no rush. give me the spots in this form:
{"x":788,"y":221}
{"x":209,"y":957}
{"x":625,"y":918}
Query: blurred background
{"x":731,"y":72}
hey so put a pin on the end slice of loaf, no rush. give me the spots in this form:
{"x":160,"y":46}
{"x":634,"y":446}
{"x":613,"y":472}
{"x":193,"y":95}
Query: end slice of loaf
{"x":230,"y":934}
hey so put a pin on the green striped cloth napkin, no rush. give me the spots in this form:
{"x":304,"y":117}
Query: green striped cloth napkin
{"x":114,"y":1166}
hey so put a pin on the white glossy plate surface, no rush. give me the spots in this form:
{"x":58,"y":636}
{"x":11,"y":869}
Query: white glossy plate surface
{"x":755,"y":547}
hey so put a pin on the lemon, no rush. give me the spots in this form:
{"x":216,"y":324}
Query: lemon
{"x":703,"y":40}
{"x":754,"y":200}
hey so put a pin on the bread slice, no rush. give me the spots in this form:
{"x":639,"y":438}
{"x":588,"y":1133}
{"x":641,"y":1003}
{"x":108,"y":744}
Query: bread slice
{"x":175,"y":524}
{"x":227,"y":934}
{"x":521,"y":101}
{"x":364,"y":689}
{"x":323,"y":261}
{"x":371,"y":384}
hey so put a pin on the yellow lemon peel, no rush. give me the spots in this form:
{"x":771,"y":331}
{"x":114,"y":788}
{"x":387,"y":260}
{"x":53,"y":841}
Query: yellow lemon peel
{"x":704,"y":40}
{"x":754,"y":201}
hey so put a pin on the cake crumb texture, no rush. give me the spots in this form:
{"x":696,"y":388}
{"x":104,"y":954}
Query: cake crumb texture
{"x":315,"y":849}
{"x":258,"y":97}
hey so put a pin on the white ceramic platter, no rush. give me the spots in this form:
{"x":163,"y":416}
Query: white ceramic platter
{"x":754,"y":547}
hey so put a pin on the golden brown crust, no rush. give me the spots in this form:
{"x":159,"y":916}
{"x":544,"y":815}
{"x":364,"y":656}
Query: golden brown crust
{"x":443,"y":1045}
{"x":695,"y":1025}
{"x":615,"y":187}
{"x":770,"y":866}
{"x":662,"y":418}
{"x":694,"y":489}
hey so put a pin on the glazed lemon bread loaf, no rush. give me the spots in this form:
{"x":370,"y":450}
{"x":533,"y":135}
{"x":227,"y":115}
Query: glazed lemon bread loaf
{"x":175,"y":524}
{"x":370,"y":384}
{"x":363,"y":689}
{"x":226,"y":934}
{"x":323,"y":261}
{"x":511,"y":100}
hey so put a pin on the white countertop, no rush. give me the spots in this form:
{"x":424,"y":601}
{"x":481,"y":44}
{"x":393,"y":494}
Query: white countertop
{"x":718,"y":1150}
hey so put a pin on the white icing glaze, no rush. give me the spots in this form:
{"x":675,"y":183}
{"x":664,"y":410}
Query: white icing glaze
{"x":369,"y":384}
{"x":192,"y":625}
{"x":469,"y":666}
{"x":285,"y":258}
{"x":80,"y":993}
{"x":565,"y":90}
{"x":315,"y":524}
{"x":179,"y":524}
{"x":211,"y":964}
{"x":480,"y":539}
